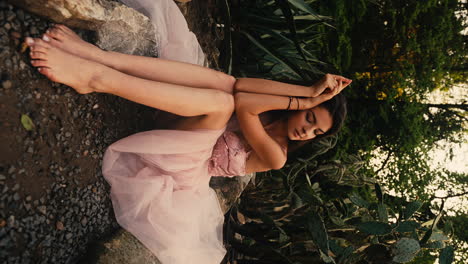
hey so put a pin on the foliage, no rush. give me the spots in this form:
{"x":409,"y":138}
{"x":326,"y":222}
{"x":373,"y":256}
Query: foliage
{"x":396,"y":52}
{"x":311,"y":220}
{"x":276,"y":39}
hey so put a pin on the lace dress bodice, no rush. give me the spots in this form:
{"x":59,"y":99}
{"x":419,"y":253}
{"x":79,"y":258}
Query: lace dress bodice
{"x":229,"y":156}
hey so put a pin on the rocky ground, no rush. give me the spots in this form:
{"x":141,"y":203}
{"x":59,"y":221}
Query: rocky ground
{"x":54,"y":202}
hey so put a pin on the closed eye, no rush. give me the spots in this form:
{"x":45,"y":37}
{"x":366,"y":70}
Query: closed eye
{"x":311,"y":117}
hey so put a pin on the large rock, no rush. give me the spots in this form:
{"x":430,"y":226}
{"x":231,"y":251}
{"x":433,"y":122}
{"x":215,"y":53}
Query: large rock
{"x":118,"y":27}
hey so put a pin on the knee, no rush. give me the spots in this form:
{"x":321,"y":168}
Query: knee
{"x":226,"y":103}
{"x":226,"y":82}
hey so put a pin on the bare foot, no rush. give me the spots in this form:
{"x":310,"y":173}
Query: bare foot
{"x":62,"y":37}
{"x":60,"y":66}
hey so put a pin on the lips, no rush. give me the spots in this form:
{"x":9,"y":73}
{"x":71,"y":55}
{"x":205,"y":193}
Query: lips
{"x":296,"y":133}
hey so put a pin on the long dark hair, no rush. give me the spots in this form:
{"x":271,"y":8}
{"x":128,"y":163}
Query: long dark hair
{"x":337,"y":109}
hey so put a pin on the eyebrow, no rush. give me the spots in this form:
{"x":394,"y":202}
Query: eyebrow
{"x":315,"y":120}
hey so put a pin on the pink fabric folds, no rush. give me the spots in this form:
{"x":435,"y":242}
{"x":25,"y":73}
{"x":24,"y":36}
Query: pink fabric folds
{"x":160,"y":193}
{"x":175,"y":40}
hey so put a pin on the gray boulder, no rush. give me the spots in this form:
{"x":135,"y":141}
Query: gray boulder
{"x":118,"y":27}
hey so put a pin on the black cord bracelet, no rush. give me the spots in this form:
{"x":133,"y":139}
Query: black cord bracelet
{"x":289,"y":105}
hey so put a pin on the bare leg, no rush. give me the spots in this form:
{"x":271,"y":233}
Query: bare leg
{"x":87,"y":76}
{"x":155,"y":69}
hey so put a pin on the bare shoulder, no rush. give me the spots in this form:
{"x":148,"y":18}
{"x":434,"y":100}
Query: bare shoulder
{"x":255,"y":164}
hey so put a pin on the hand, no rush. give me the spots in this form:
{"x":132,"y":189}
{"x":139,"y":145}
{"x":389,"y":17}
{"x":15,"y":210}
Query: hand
{"x":327,"y":94}
{"x":330,"y":83}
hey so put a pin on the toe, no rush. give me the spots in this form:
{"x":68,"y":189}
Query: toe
{"x":55,"y":33}
{"x":38,"y":55}
{"x":39,"y":63}
{"x":29,"y":41}
{"x":41,"y":43}
{"x":63,"y":27}
{"x":47,"y":72}
{"x":50,"y":39}
{"x":39,"y":48}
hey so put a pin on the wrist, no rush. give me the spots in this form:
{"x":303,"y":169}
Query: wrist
{"x":314,"y":90}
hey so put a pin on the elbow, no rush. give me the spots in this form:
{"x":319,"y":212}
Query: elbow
{"x":278,"y":164}
{"x":238,"y":100}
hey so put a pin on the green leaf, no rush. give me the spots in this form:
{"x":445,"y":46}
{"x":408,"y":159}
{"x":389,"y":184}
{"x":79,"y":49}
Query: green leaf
{"x":435,"y":244}
{"x":282,"y":238}
{"x":426,"y":237}
{"x":407,"y":226}
{"x":375,"y":228}
{"x":292,"y":68}
{"x":27,"y":122}
{"x":301,"y":5}
{"x":403,"y":258}
{"x":357,"y":200}
{"x":337,"y":221}
{"x":296,"y":200}
{"x":446,"y":256}
{"x":411,"y":208}
{"x":335,"y":248}
{"x":318,"y":231}
{"x":284,"y":5}
{"x":407,"y":246}
{"x":438,"y":236}
{"x":383,"y":213}
{"x":326,"y":258}
{"x":378,"y":192}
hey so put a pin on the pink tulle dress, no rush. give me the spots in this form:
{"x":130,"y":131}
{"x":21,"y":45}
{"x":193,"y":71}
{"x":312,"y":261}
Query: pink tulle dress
{"x":160,"y":179}
{"x":160,"y":189}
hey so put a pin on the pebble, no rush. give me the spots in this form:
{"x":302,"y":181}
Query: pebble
{"x":7,"y":84}
{"x":2,"y":177}
{"x":42,"y":209}
{"x":59,"y":225}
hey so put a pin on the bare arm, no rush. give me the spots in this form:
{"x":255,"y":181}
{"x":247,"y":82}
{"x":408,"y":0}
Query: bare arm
{"x":262,"y":86}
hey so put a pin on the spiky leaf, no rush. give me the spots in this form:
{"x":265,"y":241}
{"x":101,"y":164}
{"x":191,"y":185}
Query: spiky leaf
{"x":375,"y":228}
{"x":318,"y":231}
{"x":357,"y":200}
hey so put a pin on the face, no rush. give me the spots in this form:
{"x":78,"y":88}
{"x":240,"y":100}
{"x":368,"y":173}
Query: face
{"x":307,"y":124}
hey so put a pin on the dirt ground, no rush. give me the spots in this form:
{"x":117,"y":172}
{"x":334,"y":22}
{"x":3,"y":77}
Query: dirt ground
{"x":53,"y":198}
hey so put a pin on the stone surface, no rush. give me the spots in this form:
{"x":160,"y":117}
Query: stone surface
{"x":122,"y":247}
{"x":118,"y":27}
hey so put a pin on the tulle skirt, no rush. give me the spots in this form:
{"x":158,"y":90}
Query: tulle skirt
{"x":160,"y":193}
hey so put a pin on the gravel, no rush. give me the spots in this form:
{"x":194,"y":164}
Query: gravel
{"x":54,"y":200}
